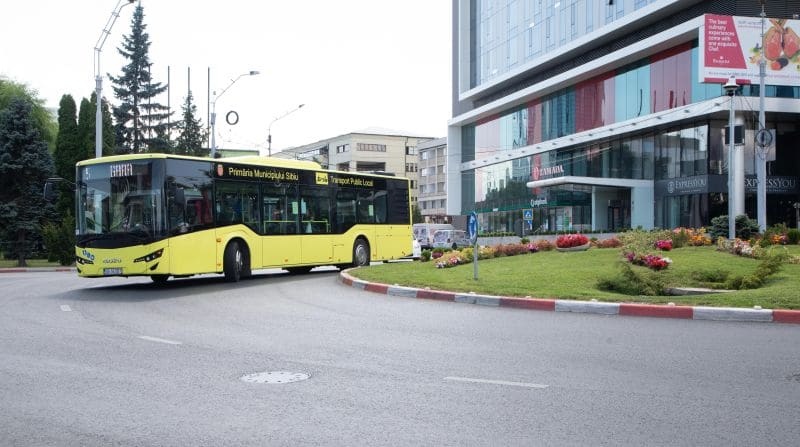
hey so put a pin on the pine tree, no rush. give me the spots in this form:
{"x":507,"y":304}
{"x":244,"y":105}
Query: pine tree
{"x":86,"y":129}
{"x":25,"y":164}
{"x":192,"y":135}
{"x":140,"y":121}
{"x":67,"y":153}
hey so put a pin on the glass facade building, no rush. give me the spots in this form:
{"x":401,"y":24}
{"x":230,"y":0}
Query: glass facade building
{"x":636,"y":141}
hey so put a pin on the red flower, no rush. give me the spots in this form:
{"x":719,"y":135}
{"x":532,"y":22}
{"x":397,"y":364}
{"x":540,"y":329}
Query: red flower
{"x":571,"y":240}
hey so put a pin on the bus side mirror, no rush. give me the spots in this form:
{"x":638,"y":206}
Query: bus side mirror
{"x":49,"y":191}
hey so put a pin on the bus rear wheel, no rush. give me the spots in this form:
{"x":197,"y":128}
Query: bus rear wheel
{"x":360,"y":253}
{"x":233,"y":262}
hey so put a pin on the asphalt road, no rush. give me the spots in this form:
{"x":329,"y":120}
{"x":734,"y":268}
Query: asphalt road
{"x":123,"y":362}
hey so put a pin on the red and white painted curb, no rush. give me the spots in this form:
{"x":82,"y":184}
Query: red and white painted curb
{"x":592,"y":307}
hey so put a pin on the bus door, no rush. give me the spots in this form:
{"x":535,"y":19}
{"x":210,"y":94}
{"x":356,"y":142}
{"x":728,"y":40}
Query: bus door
{"x":281,"y":246}
{"x":315,"y":225}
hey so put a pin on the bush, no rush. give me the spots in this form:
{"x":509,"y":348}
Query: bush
{"x":571,"y":240}
{"x":510,"y":250}
{"x":425,"y":256}
{"x":607,"y":243}
{"x":745,"y":227}
{"x":793,"y":236}
{"x":630,"y":282}
{"x":680,"y":237}
{"x":766,"y":268}
{"x":60,"y":240}
{"x":524,"y":240}
{"x":543,"y":245}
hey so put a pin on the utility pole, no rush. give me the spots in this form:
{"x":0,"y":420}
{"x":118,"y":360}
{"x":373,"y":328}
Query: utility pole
{"x":761,"y":150}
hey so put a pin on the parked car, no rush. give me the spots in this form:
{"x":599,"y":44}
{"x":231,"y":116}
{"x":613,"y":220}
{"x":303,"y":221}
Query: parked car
{"x":454,"y":239}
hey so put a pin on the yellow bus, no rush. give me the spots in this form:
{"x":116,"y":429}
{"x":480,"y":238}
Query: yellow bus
{"x":162,"y":215}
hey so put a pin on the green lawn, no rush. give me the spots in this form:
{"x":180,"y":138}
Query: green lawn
{"x":574,"y":275}
{"x":12,"y":263}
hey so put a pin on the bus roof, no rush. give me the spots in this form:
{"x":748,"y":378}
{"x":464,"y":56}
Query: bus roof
{"x":244,"y":159}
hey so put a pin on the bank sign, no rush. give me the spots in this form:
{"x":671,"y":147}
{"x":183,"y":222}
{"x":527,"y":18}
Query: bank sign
{"x":701,"y":184}
{"x":778,"y":184}
{"x":731,"y":46}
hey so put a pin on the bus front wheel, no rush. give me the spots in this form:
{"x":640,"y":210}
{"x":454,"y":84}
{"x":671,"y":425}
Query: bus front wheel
{"x":233,"y":263}
{"x":159,"y":279}
{"x":360,"y":253}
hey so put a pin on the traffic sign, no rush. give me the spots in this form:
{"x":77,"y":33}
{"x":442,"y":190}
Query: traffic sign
{"x":472,"y":227}
{"x":527,"y":214}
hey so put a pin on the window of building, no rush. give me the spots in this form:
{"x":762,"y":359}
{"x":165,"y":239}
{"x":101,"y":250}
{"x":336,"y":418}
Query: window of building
{"x":371,"y":147}
{"x":411,"y":167}
{"x":411,"y":150}
{"x":342,"y":148}
{"x":424,"y":155}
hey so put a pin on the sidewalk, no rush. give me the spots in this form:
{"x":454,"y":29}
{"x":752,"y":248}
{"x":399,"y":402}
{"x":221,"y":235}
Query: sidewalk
{"x":592,"y":307}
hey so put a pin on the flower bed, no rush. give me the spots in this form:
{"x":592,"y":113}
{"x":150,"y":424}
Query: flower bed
{"x":654,"y":262}
{"x":571,"y":240}
{"x":664,"y":245}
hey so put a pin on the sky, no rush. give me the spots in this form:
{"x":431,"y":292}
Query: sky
{"x":352,"y":63}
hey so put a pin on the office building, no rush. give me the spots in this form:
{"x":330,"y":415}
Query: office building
{"x":591,"y":114}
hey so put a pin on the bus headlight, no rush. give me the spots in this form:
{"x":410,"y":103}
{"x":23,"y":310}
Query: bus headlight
{"x":151,"y":257}
{"x":81,"y":260}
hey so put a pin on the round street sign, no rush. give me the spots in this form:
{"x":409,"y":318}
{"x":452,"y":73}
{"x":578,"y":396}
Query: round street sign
{"x":763,"y":138}
{"x":472,"y":227}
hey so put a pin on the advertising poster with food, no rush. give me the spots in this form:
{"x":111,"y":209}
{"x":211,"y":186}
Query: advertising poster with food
{"x":732,"y":45}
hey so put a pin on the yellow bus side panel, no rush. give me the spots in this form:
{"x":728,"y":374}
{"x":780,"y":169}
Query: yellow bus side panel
{"x":317,"y":249}
{"x":251,"y":239}
{"x":280,"y":250}
{"x":192,"y":253}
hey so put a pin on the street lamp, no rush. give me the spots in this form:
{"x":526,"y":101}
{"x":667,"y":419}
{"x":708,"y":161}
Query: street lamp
{"x":214,"y":110}
{"x":269,"y":129}
{"x":98,"y":78}
{"x":730,"y":89}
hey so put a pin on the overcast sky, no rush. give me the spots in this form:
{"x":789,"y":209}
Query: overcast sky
{"x":353,"y":63}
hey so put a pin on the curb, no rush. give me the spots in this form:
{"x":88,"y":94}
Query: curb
{"x":589,"y":307}
{"x":37,"y":269}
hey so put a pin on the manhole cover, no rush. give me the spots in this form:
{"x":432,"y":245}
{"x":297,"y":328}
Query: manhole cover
{"x":275,"y":377}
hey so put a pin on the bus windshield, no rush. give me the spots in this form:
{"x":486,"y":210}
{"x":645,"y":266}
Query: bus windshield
{"x":121,"y":198}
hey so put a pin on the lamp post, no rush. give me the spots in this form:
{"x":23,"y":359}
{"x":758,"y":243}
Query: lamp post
{"x":269,"y":129}
{"x":98,"y":78}
{"x":730,"y":89}
{"x":214,"y":110}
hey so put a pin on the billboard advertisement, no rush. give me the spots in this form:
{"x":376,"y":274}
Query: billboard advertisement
{"x":731,"y":45}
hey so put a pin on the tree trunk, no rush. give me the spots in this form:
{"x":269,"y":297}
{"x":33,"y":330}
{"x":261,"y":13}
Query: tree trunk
{"x":21,"y":249}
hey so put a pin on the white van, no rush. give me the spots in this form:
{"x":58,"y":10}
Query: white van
{"x":454,"y":239}
{"x":423,"y":233}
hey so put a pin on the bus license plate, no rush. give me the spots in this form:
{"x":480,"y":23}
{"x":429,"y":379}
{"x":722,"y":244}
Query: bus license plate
{"x":108,"y":272}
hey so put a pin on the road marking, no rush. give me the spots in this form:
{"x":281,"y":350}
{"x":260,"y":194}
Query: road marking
{"x":159,"y":340}
{"x":66,"y":308}
{"x":497,"y":382}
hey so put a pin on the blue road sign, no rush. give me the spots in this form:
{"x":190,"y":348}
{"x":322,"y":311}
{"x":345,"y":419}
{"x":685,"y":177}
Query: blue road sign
{"x":472,"y":227}
{"x":527,"y":214}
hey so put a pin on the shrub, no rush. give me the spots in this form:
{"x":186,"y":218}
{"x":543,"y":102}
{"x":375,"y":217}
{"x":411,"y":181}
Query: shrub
{"x":745,"y":227}
{"x":664,"y":245}
{"x":768,"y":267}
{"x":425,"y":256}
{"x":607,"y":243}
{"x":680,"y":237}
{"x":630,"y":282}
{"x":654,"y":262}
{"x":543,"y":245}
{"x":524,"y":241}
{"x":60,"y":240}
{"x":450,"y":259}
{"x":793,"y":236}
{"x":571,"y":240}
{"x":510,"y":250}
{"x":468,"y":254}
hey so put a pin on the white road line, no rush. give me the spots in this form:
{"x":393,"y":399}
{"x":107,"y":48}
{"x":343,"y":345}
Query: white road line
{"x":159,"y":340}
{"x":497,"y":382}
{"x":66,"y":308}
